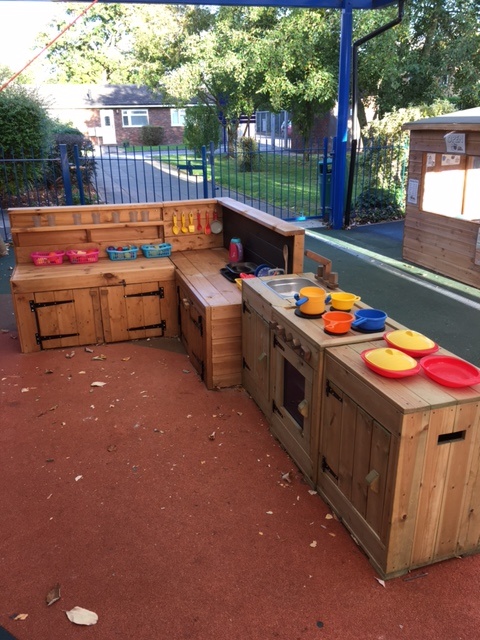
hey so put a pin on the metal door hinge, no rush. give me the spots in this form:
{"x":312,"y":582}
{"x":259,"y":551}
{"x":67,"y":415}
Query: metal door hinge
{"x":326,"y":467}
{"x":39,"y":305}
{"x":159,"y":293}
{"x":329,"y":390}
{"x":276,"y":409}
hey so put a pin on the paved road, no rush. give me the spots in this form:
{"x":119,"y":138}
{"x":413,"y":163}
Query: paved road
{"x":369,"y":263}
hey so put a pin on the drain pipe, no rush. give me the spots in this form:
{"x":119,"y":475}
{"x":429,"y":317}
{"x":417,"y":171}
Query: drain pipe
{"x":356,"y":45}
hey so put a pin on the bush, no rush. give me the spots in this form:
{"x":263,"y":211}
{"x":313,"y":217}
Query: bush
{"x":248,"y":156}
{"x":378,"y":205}
{"x":72,"y":137}
{"x":24,"y":122}
{"x":152,"y":136}
{"x":201,"y":127}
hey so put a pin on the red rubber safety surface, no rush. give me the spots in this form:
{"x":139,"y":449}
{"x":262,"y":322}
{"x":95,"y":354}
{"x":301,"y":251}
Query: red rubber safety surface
{"x":161,"y":506}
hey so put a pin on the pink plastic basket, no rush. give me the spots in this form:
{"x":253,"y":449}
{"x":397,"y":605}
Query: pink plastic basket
{"x":77,"y":256}
{"x":42,"y":258}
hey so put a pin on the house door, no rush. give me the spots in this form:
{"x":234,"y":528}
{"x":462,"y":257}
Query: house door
{"x":108,"y":126}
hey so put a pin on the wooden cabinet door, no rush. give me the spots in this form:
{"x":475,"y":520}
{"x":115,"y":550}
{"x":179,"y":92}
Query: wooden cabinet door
{"x":192,"y":328}
{"x":355,"y":456}
{"x":132,"y":311}
{"x":67,"y":318}
{"x":256,"y":357}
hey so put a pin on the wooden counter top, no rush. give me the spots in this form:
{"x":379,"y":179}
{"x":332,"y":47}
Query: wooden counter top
{"x":201,"y":270}
{"x":28,"y":277}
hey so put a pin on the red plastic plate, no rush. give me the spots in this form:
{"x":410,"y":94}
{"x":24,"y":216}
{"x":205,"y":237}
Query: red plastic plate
{"x":388,"y":373}
{"x":450,"y":371}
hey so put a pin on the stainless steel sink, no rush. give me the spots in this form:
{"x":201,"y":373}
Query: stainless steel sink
{"x":288,"y":287}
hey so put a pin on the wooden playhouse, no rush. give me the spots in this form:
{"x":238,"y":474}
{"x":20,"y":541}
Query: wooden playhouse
{"x":442,"y":224}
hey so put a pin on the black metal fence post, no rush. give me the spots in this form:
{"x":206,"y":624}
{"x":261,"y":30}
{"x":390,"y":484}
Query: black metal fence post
{"x":67,"y":184}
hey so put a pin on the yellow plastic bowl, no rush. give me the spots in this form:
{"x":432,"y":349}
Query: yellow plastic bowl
{"x":391,"y":359}
{"x":343,"y":301}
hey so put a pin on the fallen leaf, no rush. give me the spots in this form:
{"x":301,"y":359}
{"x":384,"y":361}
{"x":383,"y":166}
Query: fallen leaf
{"x":88,"y":350}
{"x":48,"y":371}
{"x":126,"y":359}
{"x":81,"y":373}
{"x":382,"y":582}
{"x":78,"y":615}
{"x":286,"y":477}
{"x":21,"y":616}
{"x":77,"y":478}
{"x":313,"y":544}
{"x":269,"y":513}
{"x":53,"y":595}
{"x":332,"y":534}
{"x":101,"y":357}
{"x":185,"y":371}
{"x":25,"y":389}
{"x":312,"y":492}
{"x":98,"y":384}
{"x":212,"y":436}
{"x":70,"y":355}
{"x":329,"y":516}
{"x":112,"y":447}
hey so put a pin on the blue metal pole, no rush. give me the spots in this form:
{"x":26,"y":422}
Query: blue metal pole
{"x":340,"y":149}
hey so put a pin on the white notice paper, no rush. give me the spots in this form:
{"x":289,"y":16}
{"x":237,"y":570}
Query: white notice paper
{"x":455,"y":142}
{"x":412,"y":191}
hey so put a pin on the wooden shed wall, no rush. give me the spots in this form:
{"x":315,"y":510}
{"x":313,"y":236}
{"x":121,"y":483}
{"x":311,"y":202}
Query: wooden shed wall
{"x":447,"y":245}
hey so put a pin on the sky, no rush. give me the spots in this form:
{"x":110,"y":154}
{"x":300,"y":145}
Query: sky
{"x":21,"y":21}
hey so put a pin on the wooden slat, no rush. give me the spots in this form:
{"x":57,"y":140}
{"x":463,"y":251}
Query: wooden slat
{"x":379,"y":459}
{"x":361,"y":463}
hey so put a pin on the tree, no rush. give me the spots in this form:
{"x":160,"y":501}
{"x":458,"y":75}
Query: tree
{"x":201,"y":127}
{"x":218,"y":65}
{"x":300,"y":65}
{"x":434,"y":54}
{"x":97,"y":49}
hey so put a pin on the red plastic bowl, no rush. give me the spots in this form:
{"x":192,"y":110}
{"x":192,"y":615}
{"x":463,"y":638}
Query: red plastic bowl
{"x":450,"y":371}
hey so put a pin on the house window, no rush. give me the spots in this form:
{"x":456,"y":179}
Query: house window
{"x":135,"y":117}
{"x":177,"y":117}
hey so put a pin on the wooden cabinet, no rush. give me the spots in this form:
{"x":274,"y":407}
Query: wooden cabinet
{"x":399,"y":463}
{"x":210,"y":316}
{"x":135,"y":311}
{"x":192,"y":327}
{"x":61,"y":318}
{"x":72,"y":317}
{"x":256,"y":356}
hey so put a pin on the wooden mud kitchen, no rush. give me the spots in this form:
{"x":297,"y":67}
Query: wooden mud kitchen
{"x":397,"y":459}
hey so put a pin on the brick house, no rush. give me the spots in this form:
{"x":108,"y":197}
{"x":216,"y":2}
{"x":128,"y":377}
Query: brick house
{"x":113,"y":114}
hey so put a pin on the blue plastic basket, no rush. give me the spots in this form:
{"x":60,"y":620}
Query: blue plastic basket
{"x":124,"y":254}
{"x":162,"y":250}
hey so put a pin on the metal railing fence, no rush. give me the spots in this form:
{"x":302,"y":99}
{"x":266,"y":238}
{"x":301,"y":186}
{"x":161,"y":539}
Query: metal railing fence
{"x":292,"y":184}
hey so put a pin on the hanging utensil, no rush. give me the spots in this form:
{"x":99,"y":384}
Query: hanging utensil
{"x":216,"y":225}
{"x":191,"y":226}
{"x":175,"y":228}
{"x":184,"y":224}
{"x":199,"y":222}
{"x":285,"y":257}
{"x":208,"y":231}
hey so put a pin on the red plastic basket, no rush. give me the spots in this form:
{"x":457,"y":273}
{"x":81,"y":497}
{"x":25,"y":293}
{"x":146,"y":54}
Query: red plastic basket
{"x":77,"y":256}
{"x":42,"y":258}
